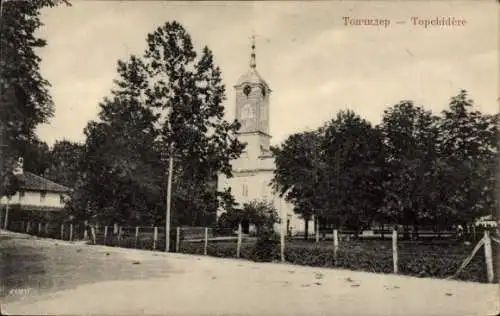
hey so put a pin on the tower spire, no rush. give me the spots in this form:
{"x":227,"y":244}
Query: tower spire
{"x":253,"y":63}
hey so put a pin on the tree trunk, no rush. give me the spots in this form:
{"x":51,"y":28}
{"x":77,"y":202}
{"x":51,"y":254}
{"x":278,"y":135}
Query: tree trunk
{"x":306,"y":230}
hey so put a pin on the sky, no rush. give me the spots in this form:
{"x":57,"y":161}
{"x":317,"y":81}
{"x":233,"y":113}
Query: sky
{"x":315,"y":64}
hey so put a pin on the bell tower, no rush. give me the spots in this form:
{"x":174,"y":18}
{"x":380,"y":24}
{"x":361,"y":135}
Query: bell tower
{"x":252,"y":108}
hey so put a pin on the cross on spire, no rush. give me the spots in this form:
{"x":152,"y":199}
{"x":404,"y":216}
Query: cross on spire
{"x":253,"y":63}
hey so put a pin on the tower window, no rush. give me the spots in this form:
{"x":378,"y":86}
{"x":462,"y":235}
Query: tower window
{"x":263,"y":90}
{"x":247,"y":90}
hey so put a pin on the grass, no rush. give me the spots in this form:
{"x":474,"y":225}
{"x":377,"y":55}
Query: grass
{"x":424,"y":258}
{"x":428,"y":258}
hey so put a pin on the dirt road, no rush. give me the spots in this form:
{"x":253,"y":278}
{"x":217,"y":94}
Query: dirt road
{"x":63,"y":278}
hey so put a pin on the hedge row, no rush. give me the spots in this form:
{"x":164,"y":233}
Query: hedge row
{"x":419,"y":260}
{"x":422,"y":259}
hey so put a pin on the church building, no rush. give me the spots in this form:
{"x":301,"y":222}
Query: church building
{"x":253,"y":170}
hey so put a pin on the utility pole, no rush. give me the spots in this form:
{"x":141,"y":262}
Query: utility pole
{"x":169,"y":197}
{"x":2,"y":94}
{"x":170,"y":151}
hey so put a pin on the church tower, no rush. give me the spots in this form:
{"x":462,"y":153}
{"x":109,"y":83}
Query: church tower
{"x":252,"y":110}
{"x":253,"y":171}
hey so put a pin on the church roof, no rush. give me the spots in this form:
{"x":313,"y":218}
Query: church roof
{"x":252,"y":76}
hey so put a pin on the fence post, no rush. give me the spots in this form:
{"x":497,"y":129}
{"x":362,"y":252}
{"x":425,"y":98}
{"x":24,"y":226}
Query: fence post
{"x":105,"y":234}
{"x":488,"y":256}
{"x":120,"y":231}
{"x":92,"y":231}
{"x":136,"y":236}
{"x":70,"y":231}
{"x":316,"y":229}
{"x":62,"y":231}
{"x":206,"y":242}
{"x":155,"y":237}
{"x":85,"y":233}
{"x":28,"y":227}
{"x":39,"y":228}
{"x":335,"y":244}
{"x":46,"y":228}
{"x":115,"y":228}
{"x":282,"y":242}
{"x":238,"y":246}
{"x":178,"y":239}
{"x":6,"y":222}
{"x":395,"y":249}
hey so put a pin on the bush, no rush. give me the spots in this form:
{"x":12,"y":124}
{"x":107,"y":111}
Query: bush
{"x":265,"y":249}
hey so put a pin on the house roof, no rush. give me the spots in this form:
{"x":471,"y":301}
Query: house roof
{"x":32,"y":182}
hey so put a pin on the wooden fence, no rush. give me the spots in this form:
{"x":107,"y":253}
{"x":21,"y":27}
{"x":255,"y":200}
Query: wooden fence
{"x":153,"y":238}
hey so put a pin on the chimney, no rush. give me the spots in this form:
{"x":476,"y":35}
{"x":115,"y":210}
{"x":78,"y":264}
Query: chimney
{"x":18,"y":169}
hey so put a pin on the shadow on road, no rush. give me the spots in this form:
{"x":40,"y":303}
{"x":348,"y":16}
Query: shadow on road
{"x":30,"y":267}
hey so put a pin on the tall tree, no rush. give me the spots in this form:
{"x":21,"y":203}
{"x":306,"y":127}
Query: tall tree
{"x":121,"y":160}
{"x":65,"y":163}
{"x":468,"y":143}
{"x":299,"y":167}
{"x":25,"y":101}
{"x":355,"y":171}
{"x":334,"y":173}
{"x":166,"y":103}
{"x":410,"y":136}
{"x":187,"y":89}
{"x":36,"y":157}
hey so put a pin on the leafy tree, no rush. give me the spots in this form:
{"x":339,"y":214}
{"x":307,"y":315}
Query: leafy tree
{"x":65,"y":163}
{"x":25,"y":101}
{"x":188,"y":91}
{"x":36,"y":155}
{"x":441,"y":170}
{"x":334,"y":173}
{"x":168,"y":102}
{"x":468,"y":145}
{"x":121,"y":159}
{"x":354,"y":148}
{"x":297,"y":174}
{"x":410,"y":136}
{"x":352,"y":185}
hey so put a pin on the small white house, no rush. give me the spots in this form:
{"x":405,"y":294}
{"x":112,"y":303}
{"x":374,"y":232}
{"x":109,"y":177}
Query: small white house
{"x":35,"y":194}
